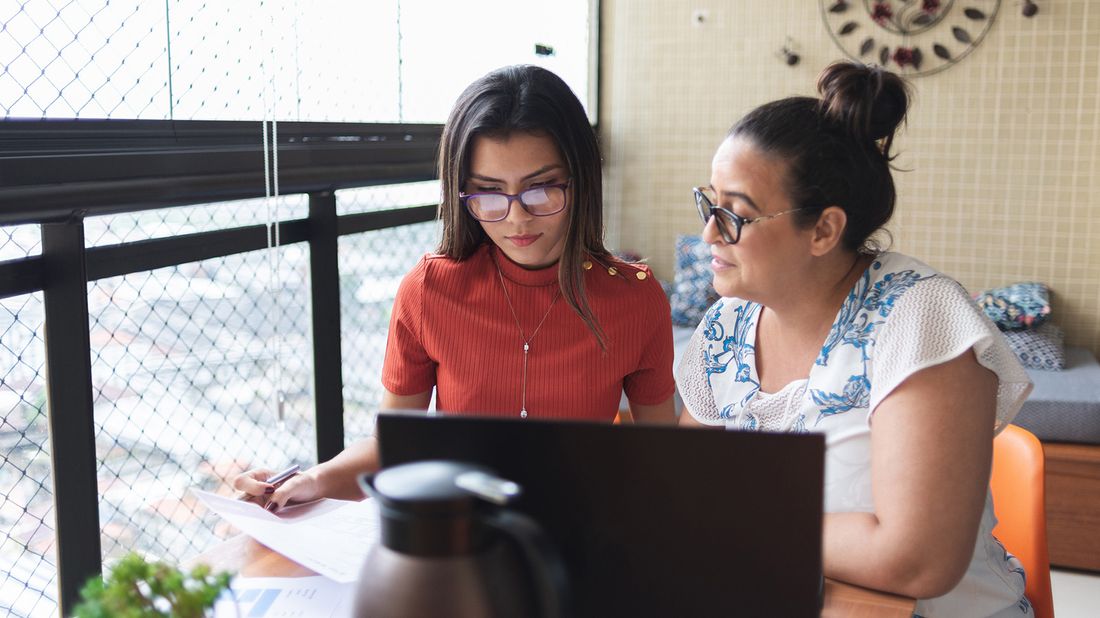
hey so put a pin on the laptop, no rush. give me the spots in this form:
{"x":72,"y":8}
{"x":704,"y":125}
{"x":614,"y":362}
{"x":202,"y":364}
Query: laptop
{"x":652,"y":520}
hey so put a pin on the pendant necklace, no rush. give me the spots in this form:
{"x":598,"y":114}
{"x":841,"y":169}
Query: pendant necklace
{"x":526,"y":340}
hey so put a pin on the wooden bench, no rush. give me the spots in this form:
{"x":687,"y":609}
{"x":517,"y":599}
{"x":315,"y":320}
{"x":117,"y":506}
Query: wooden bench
{"x":1073,"y":504}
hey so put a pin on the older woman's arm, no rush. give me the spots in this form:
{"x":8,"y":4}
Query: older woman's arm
{"x":931,"y":451}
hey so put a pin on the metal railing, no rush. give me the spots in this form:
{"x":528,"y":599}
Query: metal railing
{"x":116,"y":419}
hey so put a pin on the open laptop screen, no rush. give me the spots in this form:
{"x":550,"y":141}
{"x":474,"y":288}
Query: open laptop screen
{"x":652,"y":521}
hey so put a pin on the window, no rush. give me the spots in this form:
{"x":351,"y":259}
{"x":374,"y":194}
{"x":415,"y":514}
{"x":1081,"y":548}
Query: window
{"x":184,"y":352}
{"x":301,"y":60}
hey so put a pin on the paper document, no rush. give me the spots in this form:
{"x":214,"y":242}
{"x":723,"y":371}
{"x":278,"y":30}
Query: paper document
{"x":286,"y":597}
{"x":328,"y":536}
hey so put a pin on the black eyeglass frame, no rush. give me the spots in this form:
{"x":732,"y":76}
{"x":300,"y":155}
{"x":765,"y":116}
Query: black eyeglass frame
{"x":707,"y":210}
{"x":518,"y":197}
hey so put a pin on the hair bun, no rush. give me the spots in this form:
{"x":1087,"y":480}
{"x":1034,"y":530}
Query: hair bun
{"x":870,"y":101}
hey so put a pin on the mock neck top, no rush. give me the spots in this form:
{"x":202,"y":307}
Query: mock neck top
{"x":513,"y":272}
{"x":452,"y":329}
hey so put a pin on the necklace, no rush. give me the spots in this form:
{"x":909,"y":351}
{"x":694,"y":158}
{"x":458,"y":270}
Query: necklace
{"x":526,"y":340}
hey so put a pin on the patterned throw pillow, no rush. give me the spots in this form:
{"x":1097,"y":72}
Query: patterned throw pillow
{"x":1039,"y":348}
{"x":1017,"y":306}
{"x":692,"y":292}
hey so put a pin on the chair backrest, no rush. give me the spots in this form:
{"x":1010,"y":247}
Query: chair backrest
{"x":1020,"y":502}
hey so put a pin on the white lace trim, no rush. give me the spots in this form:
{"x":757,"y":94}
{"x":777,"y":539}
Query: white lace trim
{"x":934,"y":322}
{"x":781,"y":410}
{"x":691,"y":379}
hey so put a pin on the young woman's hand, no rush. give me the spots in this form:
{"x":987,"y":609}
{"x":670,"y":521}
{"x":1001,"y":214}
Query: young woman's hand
{"x":254,"y":487}
{"x":335,"y":478}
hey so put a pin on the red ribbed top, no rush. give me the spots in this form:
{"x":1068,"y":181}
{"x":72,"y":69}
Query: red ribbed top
{"x":452,"y":328}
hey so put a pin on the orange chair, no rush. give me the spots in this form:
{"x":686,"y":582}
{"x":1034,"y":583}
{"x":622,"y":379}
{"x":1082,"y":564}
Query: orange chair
{"x":1020,"y":503}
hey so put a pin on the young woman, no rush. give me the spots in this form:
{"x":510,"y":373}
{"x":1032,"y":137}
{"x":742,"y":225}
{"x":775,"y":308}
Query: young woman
{"x":522,"y":311}
{"x":819,"y":330}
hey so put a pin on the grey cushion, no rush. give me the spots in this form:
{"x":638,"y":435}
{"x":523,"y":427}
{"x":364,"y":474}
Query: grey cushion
{"x":1065,"y":405}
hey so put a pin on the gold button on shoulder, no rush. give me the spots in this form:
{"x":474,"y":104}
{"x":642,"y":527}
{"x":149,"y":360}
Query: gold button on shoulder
{"x":641,"y":275}
{"x":612,"y":271}
{"x":587,"y":265}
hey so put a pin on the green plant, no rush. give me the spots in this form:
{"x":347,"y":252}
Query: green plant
{"x":137,"y":588}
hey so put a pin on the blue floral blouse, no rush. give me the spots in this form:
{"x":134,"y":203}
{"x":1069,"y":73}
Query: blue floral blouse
{"x":900,"y":316}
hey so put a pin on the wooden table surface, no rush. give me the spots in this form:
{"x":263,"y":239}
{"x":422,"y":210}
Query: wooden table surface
{"x":244,"y":556}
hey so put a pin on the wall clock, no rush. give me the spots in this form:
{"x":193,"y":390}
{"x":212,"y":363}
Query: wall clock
{"x":911,"y":37}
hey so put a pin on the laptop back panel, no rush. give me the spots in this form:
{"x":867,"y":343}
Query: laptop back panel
{"x":652,"y":521}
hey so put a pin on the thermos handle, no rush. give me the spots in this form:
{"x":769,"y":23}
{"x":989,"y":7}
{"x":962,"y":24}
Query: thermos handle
{"x":546,"y":566}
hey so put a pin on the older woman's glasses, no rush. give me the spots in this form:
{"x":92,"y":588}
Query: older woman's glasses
{"x":729,"y":223}
{"x":540,"y":201}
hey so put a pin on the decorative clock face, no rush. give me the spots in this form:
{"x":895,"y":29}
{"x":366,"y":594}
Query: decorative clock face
{"x":912,"y":37}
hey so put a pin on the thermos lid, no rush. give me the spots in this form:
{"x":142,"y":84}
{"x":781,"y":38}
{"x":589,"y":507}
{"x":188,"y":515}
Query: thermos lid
{"x":440,"y":487}
{"x":430,"y":508}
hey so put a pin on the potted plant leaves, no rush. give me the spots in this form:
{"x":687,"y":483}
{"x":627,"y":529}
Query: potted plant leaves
{"x":137,"y":588}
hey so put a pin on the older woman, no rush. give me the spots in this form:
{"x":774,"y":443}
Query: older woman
{"x":819,"y":330}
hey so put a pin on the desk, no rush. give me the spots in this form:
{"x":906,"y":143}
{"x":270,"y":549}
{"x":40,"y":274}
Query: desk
{"x":843,"y":599}
{"x":246,"y":557}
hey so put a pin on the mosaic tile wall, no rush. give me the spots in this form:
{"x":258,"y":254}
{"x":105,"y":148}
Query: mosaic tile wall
{"x":1002,"y":149}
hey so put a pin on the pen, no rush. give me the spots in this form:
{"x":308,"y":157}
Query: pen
{"x":284,"y":475}
{"x":275,"y":480}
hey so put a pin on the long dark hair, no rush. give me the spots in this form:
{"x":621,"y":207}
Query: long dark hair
{"x":525,"y":98}
{"x":837,"y":148}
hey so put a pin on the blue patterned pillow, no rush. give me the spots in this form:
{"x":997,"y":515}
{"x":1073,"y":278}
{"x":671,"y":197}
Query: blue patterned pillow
{"x":1039,"y":348}
{"x":692,"y":289}
{"x":1017,"y":306}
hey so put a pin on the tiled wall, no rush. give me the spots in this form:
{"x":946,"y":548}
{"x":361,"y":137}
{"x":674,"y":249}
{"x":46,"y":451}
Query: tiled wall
{"x":1002,"y":148}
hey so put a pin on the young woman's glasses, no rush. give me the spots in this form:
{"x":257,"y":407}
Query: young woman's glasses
{"x":729,"y":223}
{"x":540,"y":201}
